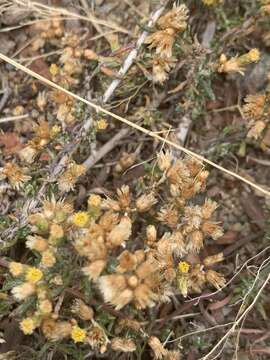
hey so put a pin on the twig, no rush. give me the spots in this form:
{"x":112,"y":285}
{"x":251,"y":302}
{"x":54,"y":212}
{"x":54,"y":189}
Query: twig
{"x":232,"y":248}
{"x":4,"y":98}
{"x":13,"y":118}
{"x":132,"y":55}
{"x":94,"y":158}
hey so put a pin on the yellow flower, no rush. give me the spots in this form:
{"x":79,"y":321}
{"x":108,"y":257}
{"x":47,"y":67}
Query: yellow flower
{"x":33,"y":275}
{"x":27,"y":326}
{"x":101,"y":124}
{"x":78,"y":334}
{"x":183,"y":267}
{"x":254,"y":55}
{"x":94,"y":200}
{"x":16,"y":268}
{"x":80,"y":219}
{"x":54,"y":69}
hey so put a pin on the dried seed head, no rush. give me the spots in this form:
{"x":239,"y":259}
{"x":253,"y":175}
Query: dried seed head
{"x":215,"y":279}
{"x":151,"y":234}
{"x":37,"y":243}
{"x":163,"y":41}
{"x":169,"y":216}
{"x":94,"y":270}
{"x":212,"y":260}
{"x":45,"y":307}
{"x":212,"y":229}
{"x":121,"y":232}
{"x":97,"y":338}
{"x":15,"y":175}
{"x":122,"y":344}
{"x":175,"y":18}
{"x":164,"y":160}
{"x":48,"y":258}
{"x":66,"y":182}
{"x":23,"y":291}
{"x":16,"y":269}
{"x":145,"y":202}
{"x":82,"y":310}
{"x":56,"y":330}
{"x":195,"y":241}
{"x":28,"y":154}
{"x":256,"y":130}
{"x":157,"y":347}
{"x":94,"y":200}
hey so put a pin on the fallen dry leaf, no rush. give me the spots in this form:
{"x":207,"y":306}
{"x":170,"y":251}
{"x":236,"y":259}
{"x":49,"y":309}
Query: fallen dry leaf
{"x":41,"y":67}
{"x":11,"y":143}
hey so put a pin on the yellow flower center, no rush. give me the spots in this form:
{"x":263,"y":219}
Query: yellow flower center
{"x":78,"y":334}
{"x":54,"y":69}
{"x":34,"y":275}
{"x":80,"y":218}
{"x":101,"y":124}
{"x":254,"y":55}
{"x":183,"y":267}
{"x":27,"y":326}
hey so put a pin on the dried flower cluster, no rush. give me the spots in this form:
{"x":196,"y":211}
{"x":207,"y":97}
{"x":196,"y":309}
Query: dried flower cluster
{"x":170,"y":24}
{"x":43,"y":134}
{"x":238,"y":64}
{"x":15,"y":175}
{"x":256,"y":111}
{"x":169,"y":231}
{"x":265,"y":7}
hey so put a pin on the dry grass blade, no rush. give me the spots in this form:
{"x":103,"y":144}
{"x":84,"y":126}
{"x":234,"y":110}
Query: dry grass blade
{"x":52,"y":11}
{"x":237,"y":322}
{"x":135,"y":126}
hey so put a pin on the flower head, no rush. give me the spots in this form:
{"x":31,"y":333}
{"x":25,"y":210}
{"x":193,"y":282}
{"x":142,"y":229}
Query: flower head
{"x":78,"y":334}
{"x":101,"y":124}
{"x":122,"y":344}
{"x":175,"y":18}
{"x":23,"y":291}
{"x":94,"y":200}
{"x":183,"y":267}
{"x":80,"y":219}
{"x":27,"y":326}
{"x":16,"y":268}
{"x":33,"y":275}
{"x":15,"y":175}
{"x":84,"y":311}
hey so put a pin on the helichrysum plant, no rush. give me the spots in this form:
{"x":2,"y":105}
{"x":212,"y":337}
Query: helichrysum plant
{"x":238,"y":64}
{"x":136,"y":250}
{"x":170,"y":25}
{"x":256,"y":112}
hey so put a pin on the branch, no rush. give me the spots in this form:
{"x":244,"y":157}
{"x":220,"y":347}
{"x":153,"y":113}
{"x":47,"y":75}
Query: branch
{"x":94,"y":158}
{"x":132,"y":55}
